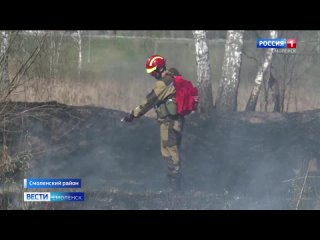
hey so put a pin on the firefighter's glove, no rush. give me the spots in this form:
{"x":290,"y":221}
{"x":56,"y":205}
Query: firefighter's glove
{"x":128,"y":118}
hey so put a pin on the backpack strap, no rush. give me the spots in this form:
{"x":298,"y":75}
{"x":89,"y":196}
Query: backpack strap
{"x":164,"y":100}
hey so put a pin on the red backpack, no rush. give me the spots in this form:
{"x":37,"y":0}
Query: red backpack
{"x":186,"y":96}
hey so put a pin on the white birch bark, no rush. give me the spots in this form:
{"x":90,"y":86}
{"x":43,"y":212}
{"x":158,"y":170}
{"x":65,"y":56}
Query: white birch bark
{"x":252,"y":102}
{"x":4,"y":71}
{"x":78,"y":39}
{"x":229,"y":82}
{"x":203,"y":72}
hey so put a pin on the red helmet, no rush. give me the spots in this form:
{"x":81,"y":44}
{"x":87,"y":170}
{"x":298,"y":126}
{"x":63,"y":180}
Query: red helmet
{"x":155,"y":62}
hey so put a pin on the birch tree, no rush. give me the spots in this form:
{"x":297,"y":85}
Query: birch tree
{"x":318,"y":40}
{"x":78,"y":39}
{"x":229,"y":82}
{"x":4,"y":72}
{"x":89,"y":48}
{"x":262,"y":75}
{"x":203,"y":71}
{"x":56,"y":38}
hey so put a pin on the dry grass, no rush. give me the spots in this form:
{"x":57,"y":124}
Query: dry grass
{"x":114,"y":95}
{"x":108,"y":94}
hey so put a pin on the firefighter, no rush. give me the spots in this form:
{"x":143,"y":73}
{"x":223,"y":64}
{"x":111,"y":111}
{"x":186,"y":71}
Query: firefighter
{"x":162,"y":99}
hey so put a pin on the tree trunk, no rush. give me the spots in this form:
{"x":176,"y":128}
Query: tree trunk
{"x":55,"y":72}
{"x":55,"y":45}
{"x":261,"y":76}
{"x":282,"y":97}
{"x":89,"y":48}
{"x":229,"y":82}
{"x":4,"y":71}
{"x":78,"y":39}
{"x":276,"y":97}
{"x":318,"y":39}
{"x":204,"y":73}
{"x":80,"y":54}
{"x":51,"y":59}
{"x":266,"y":95}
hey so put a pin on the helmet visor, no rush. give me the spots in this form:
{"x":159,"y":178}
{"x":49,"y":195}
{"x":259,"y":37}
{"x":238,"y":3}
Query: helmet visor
{"x":150,"y":70}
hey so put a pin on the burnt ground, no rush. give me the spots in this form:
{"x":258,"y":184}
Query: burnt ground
{"x":232,"y":160}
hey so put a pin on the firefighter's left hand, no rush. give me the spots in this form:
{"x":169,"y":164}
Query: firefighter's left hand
{"x":128,"y":118}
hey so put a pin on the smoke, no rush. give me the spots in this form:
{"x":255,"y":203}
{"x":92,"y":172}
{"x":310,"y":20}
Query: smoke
{"x":229,"y":161}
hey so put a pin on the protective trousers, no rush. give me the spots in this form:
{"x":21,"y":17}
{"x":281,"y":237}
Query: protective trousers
{"x":170,"y":141}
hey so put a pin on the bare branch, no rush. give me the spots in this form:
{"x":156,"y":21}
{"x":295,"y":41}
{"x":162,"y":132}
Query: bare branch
{"x":24,"y":68}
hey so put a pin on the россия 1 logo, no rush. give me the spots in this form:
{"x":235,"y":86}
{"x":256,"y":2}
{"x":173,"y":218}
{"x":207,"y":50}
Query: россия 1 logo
{"x":280,"y":45}
{"x":291,"y":43}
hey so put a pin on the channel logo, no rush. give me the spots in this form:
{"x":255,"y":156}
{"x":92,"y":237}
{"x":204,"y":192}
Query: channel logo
{"x":53,"y":196}
{"x":37,"y":197}
{"x":276,"y":43}
{"x":67,"y":197}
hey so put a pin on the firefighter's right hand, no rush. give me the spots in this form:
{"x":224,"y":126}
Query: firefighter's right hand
{"x":128,"y":118}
